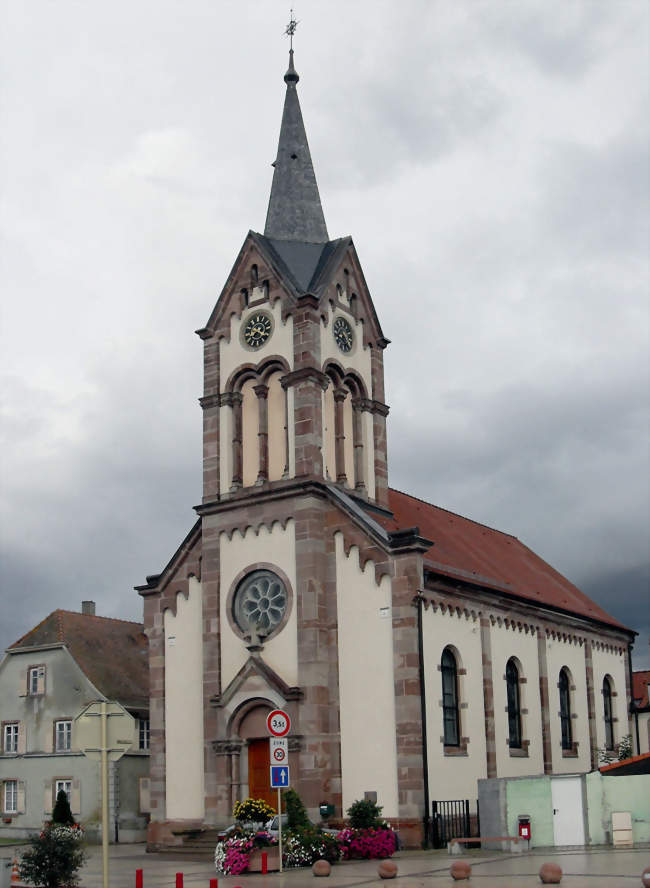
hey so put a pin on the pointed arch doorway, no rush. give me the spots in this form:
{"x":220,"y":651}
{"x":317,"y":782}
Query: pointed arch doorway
{"x":252,"y":730}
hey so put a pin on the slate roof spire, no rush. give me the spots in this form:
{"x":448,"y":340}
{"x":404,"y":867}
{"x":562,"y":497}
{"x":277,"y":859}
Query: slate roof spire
{"x":295,"y":212}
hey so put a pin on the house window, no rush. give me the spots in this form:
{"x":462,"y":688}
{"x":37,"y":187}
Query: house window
{"x":143,"y":740}
{"x":609,"y":717}
{"x":65,"y":785}
{"x":514,"y":705}
{"x":36,"y":680}
{"x":564,"y":686}
{"x":11,"y":737}
{"x":450,"y":698}
{"x":63,"y":735}
{"x":11,"y":797}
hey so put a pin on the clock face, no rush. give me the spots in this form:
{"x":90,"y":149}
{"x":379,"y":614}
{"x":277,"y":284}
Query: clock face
{"x":343,"y":335}
{"x":257,"y":330}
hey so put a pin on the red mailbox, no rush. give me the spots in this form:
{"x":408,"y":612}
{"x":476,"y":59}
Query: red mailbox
{"x":524,"y":827}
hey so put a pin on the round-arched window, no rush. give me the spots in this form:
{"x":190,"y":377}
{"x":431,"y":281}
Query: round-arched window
{"x":260,"y":603}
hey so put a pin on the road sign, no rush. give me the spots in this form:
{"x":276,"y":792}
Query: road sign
{"x":120,"y":731}
{"x":278,"y":750}
{"x":278,"y":723}
{"x":279,"y":776}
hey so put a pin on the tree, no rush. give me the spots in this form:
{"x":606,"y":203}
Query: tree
{"x":53,"y":859}
{"x":296,"y":813}
{"x":62,"y":813}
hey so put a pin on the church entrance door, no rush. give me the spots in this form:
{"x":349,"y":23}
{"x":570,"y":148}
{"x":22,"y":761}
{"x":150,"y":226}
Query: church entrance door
{"x":259,"y":779}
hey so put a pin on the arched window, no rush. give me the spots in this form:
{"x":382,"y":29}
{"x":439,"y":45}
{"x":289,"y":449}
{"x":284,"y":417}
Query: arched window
{"x":450,"y":698}
{"x":609,"y":718}
{"x":565,"y":709}
{"x":514,"y":705}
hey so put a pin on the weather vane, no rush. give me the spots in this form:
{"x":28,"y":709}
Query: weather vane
{"x":291,"y":29}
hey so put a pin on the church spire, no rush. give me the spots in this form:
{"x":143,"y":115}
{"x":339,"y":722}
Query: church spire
{"x":295,"y":212}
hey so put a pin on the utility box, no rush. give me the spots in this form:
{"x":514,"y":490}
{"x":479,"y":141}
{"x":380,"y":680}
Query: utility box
{"x":523,"y":827}
{"x":622,"y":829}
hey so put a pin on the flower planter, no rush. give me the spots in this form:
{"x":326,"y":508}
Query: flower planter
{"x":273,"y":859}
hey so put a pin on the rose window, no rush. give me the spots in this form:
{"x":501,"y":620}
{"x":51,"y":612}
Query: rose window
{"x":260,"y":603}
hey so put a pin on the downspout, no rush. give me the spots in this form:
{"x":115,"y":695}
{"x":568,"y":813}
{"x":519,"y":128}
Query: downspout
{"x":419,"y":601}
{"x":632,"y":706}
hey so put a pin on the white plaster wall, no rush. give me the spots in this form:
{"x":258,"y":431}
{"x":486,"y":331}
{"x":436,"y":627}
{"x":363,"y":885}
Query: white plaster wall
{"x":454,"y":777}
{"x":225,"y":448}
{"x":273,"y":546}
{"x":614,"y":665}
{"x":184,"y":706}
{"x":366,"y":683}
{"x":506,"y":643}
{"x":277,"y":441}
{"x":232,"y":354}
{"x":369,"y":452}
{"x":250,"y":429}
{"x":644,"y":732}
{"x":357,"y":359}
{"x":559,"y":654}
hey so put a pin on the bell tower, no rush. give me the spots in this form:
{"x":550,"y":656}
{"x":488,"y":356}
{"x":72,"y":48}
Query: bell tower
{"x":293,"y":368}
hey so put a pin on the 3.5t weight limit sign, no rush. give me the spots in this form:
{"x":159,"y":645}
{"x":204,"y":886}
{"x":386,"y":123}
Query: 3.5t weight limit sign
{"x":278,"y":723}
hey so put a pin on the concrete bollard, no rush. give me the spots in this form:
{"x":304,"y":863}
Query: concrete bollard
{"x":645,"y":877}
{"x":387,"y":869}
{"x":550,"y":874}
{"x":460,"y":870}
{"x":321,"y":868}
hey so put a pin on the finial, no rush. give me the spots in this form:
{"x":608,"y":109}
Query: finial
{"x":292,"y":75}
{"x":291,"y":30}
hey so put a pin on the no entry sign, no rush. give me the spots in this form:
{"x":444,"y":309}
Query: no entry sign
{"x":278,"y":723}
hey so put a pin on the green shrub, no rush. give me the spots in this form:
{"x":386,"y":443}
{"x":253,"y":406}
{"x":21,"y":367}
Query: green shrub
{"x":296,"y":813}
{"x":53,"y":859}
{"x":365,"y":814}
{"x":303,"y":846}
{"x":62,"y":812}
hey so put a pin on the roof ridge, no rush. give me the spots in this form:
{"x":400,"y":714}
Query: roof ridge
{"x":99,"y":617}
{"x":457,"y":514}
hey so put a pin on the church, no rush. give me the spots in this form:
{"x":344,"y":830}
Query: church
{"x":416,"y":651}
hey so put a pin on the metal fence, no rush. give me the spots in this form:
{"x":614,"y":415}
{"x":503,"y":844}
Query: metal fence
{"x":451,"y":819}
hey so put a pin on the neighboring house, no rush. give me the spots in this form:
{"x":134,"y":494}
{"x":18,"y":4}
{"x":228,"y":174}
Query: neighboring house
{"x":640,"y":712}
{"x":416,"y":651}
{"x":46,"y":678}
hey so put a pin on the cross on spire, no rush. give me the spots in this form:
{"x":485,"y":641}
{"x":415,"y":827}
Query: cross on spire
{"x":291,"y":29}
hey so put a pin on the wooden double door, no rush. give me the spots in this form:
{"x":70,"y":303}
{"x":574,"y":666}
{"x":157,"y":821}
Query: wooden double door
{"x":259,"y":775}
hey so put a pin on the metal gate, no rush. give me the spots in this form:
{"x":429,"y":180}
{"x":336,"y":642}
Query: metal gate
{"x":452,"y":820}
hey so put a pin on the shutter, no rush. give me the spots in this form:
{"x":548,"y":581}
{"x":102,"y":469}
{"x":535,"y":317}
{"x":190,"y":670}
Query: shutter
{"x":20,"y":806}
{"x":22,"y":746}
{"x":145,"y":805}
{"x":41,"y":680}
{"x":48,"y":801}
{"x":22,"y":683}
{"x":49,"y":738}
{"x":75,"y":796}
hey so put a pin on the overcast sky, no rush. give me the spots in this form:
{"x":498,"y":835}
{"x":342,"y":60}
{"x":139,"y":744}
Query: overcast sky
{"x":489,"y":160}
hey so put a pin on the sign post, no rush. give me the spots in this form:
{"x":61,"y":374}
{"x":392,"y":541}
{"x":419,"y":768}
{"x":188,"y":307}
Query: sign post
{"x":104,"y":731}
{"x":278,"y":725}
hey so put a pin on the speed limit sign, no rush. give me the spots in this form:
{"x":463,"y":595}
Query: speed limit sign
{"x":278,"y":750}
{"x":278,"y":723}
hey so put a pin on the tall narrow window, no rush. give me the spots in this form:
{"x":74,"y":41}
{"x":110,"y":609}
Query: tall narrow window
{"x":63,"y":735}
{"x":65,"y":785}
{"x":514,"y":706}
{"x":565,"y":709}
{"x":10,"y":802}
{"x":450,"y":698}
{"x":609,"y":718}
{"x":11,"y":738}
{"x":143,"y":738}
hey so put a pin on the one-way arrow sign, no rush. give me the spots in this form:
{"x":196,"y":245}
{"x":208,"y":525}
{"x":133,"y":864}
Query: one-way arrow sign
{"x":279,"y":776}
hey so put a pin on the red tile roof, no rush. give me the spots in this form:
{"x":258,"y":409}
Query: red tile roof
{"x":640,"y":682}
{"x":638,"y":764}
{"x":111,"y":653}
{"x":464,"y":549}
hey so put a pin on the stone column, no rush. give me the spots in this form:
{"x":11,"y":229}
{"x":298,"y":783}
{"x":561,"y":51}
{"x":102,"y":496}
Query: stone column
{"x":210,"y":404}
{"x":237,"y":451}
{"x":380,"y":412}
{"x":262,"y":392}
{"x":359,"y":461}
{"x":339,"y":435}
